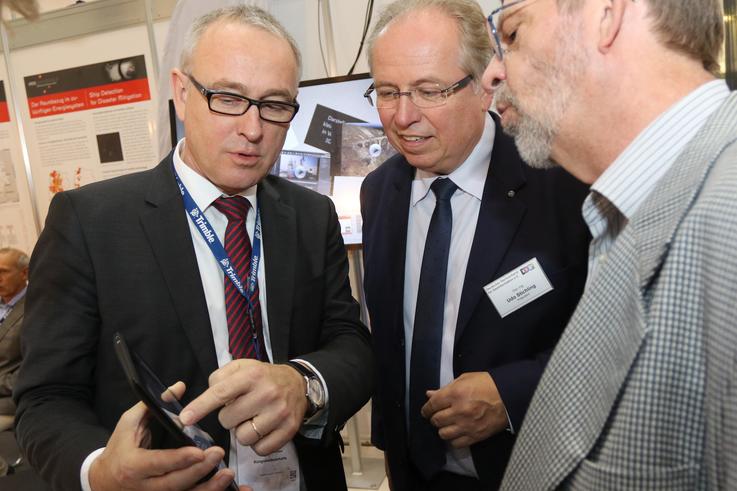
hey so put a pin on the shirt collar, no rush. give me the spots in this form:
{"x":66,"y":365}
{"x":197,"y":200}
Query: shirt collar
{"x":16,"y":298}
{"x":628,"y":181}
{"x":203,"y":191}
{"x":470,"y":176}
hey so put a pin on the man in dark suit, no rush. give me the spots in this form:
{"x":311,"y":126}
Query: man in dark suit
{"x":461,"y":336}
{"x":137,"y":255}
{"x":13,"y":281}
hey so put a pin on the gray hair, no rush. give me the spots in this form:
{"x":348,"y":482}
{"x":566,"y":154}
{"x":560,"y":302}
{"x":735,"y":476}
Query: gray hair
{"x":246,"y":15}
{"x":475,"y":48}
{"x":695,"y":28}
{"x":22,"y":258}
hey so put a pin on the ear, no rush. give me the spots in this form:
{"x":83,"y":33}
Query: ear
{"x":179,"y":91}
{"x":612,"y":16}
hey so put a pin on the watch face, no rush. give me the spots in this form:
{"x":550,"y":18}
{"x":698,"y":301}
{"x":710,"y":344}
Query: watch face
{"x":315,"y":392}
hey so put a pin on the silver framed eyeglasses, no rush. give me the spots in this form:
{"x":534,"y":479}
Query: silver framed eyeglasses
{"x":230,"y":104}
{"x":426,"y":95}
{"x":500,"y":49}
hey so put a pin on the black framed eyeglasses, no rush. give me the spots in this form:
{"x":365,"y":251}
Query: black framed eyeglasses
{"x":426,"y":95}
{"x":230,"y":104}
{"x":500,"y":49}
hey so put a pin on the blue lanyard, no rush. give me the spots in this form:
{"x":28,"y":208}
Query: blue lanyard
{"x":202,"y":224}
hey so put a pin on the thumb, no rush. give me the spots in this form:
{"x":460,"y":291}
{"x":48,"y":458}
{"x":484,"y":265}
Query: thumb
{"x":132,"y":428}
{"x":133,"y":417}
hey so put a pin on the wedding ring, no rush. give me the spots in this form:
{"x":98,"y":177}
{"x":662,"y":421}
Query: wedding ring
{"x":255,"y":430}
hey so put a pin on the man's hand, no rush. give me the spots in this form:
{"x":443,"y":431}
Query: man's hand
{"x":127,"y":464}
{"x":467,"y":410}
{"x":264,"y":403}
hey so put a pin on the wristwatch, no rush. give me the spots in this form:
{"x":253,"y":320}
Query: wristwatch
{"x":314,"y":391}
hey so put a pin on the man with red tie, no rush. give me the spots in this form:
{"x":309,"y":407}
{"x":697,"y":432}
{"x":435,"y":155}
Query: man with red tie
{"x":219,"y":275}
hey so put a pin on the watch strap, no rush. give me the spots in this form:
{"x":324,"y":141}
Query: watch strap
{"x":303,"y":369}
{"x":307,"y":374}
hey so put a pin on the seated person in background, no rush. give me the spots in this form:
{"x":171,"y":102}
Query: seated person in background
{"x":13,"y":280}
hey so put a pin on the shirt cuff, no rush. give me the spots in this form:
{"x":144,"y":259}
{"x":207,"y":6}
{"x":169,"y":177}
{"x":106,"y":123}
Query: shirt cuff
{"x":84,"y":472}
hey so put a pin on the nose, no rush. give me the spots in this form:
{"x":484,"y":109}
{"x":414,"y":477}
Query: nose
{"x":250,"y":124}
{"x":406,"y":112}
{"x":494,"y":75}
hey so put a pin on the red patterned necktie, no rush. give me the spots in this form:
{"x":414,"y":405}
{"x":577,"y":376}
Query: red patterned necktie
{"x":242,"y":329}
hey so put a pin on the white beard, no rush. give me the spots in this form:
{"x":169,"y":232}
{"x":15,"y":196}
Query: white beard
{"x":538,"y":122}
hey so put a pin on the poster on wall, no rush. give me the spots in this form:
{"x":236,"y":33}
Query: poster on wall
{"x":88,"y":120}
{"x":17,"y":228}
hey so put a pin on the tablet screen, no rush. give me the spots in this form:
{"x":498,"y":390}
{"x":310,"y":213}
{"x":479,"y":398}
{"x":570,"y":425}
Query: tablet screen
{"x":170,"y":406}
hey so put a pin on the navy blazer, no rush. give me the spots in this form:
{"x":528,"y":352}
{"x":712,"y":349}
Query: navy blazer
{"x":525,"y":213}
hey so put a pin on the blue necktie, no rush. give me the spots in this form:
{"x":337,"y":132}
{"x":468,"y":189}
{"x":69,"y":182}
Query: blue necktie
{"x":426,"y":449}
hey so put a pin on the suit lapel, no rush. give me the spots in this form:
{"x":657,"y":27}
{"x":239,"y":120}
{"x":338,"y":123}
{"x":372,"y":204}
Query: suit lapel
{"x":394,"y":250}
{"x":14,"y":316}
{"x":499,"y":218}
{"x":165,"y":225}
{"x":658,"y":220}
{"x":279,"y":224}
{"x":585,"y":372}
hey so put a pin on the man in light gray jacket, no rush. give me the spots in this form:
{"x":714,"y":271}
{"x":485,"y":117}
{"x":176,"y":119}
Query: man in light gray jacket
{"x":641,"y":391}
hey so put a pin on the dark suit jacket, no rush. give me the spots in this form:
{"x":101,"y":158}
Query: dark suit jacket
{"x":118,"y":256}
{"x":524,"y":213}
{"x":10,"y":356}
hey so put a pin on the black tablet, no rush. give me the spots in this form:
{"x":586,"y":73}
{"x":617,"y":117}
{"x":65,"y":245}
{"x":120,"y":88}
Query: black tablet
{"x":160,"y":401}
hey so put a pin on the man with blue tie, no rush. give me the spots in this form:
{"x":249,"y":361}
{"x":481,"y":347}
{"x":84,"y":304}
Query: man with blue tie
{"x":474,"y":262}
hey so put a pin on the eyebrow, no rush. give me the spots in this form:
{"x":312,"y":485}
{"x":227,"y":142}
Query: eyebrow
{"x":239,"y":88}
{"x":414,"y":83}
{"x":511,"y":13}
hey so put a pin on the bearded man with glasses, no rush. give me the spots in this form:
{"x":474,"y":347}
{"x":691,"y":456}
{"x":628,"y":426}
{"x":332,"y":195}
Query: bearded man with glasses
{"x":626,"y":96}
{"x":474,"y":262}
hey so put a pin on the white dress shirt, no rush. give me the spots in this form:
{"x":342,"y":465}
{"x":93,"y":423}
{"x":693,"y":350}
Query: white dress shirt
{"x":470,"y":178}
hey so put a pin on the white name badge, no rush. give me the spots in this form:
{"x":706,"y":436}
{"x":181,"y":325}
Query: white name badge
{"x":278,"y":471}
{"x":524,"y":284}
